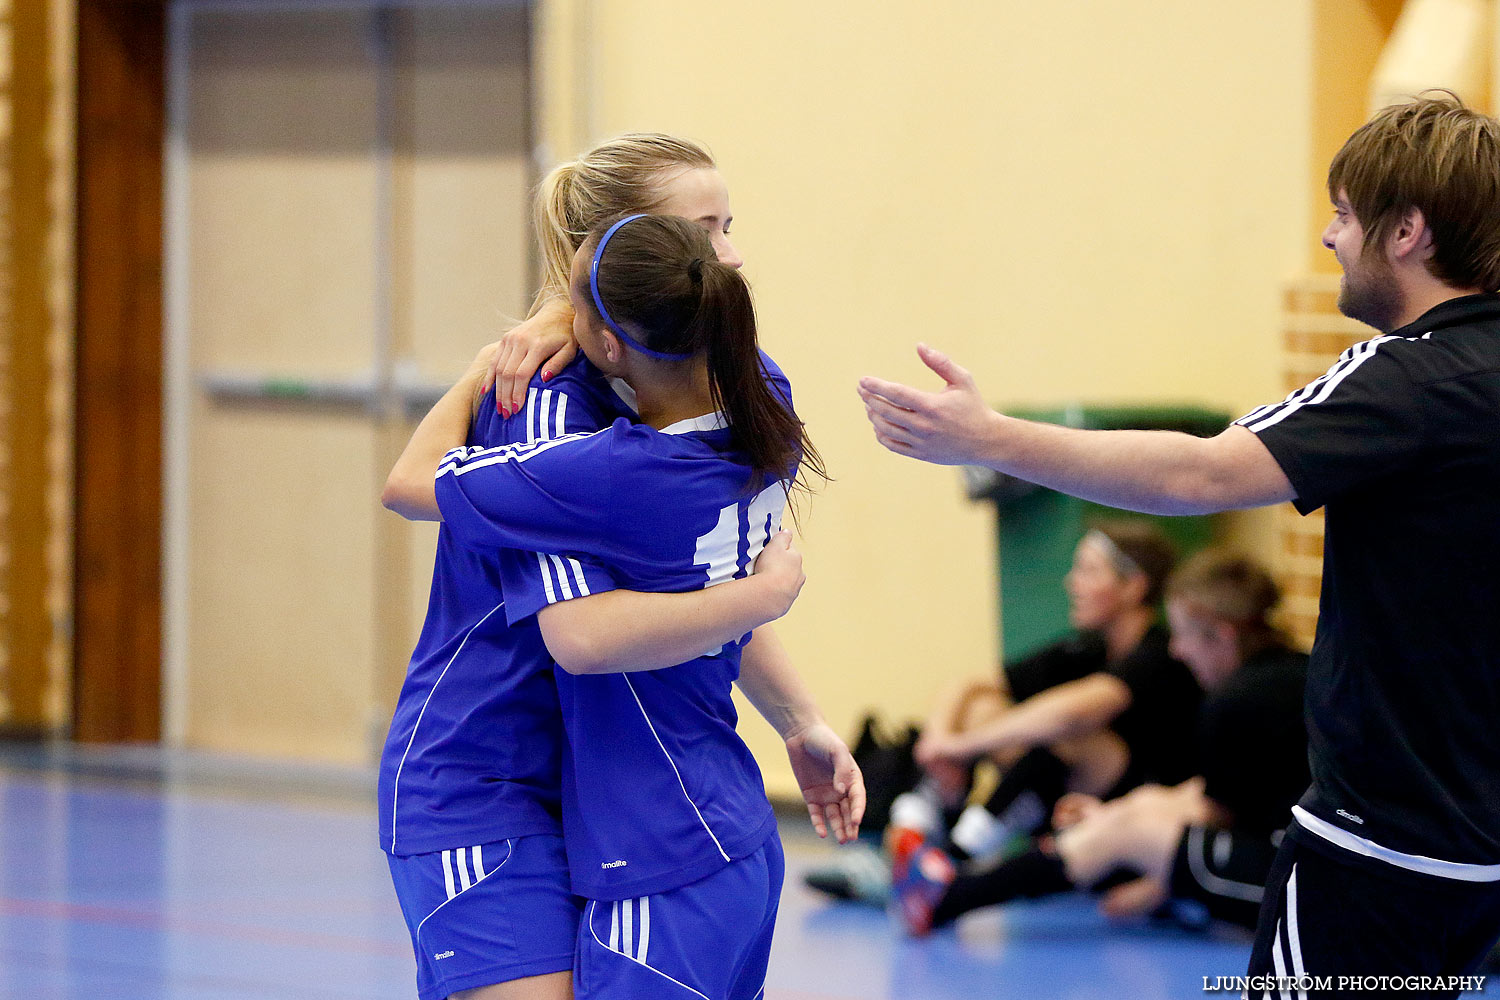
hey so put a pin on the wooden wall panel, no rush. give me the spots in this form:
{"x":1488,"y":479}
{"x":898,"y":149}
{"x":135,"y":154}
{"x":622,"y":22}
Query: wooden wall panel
{"x":283,"y":280}
{"x":464,"y":153}
{"x":25,"y":621}
{"x":283,"y":581}
{"x":353,"y":209}
{"x":332,"y":236}
{"x":118,"y":412}
{"x":282,"y":187}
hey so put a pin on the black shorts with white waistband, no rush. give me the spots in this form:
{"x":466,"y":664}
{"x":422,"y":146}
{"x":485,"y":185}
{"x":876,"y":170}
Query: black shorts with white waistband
{"x":1357,"y":925}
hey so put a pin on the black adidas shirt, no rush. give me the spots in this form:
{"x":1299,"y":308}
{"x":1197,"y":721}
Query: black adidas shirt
{"x":1400,"y":442}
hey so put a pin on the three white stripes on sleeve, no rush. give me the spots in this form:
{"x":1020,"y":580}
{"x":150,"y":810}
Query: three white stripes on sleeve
{"x":1315,"y":391}
{"x":546,"y":415}
{"x":556,"y":578}
{"x":546,"y":418}
{"x":546,"y":421}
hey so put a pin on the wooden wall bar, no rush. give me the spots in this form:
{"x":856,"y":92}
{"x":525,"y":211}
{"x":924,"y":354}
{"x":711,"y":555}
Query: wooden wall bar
{"x":27,"y":625}
{"x":121,"y":110}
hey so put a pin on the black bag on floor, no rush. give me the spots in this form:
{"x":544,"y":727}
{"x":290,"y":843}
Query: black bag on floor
{"x":889,"y":767}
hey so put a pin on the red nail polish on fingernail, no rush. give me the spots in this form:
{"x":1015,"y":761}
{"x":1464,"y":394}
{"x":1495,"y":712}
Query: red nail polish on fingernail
{"x":546,"y":376}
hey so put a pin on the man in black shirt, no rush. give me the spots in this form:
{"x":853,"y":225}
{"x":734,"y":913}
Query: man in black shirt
{"x":1392,"y":863}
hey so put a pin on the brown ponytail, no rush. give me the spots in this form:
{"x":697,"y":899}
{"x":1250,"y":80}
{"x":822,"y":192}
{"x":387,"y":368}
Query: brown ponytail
{"x":660,"y":279}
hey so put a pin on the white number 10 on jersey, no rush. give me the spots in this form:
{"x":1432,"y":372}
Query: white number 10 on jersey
{"x":728,"y":551}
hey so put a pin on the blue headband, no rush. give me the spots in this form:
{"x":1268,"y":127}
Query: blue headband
{"x":599,"y":300}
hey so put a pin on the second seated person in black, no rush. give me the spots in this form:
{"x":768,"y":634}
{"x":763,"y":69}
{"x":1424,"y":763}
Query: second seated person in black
{"x":1100,"y":712}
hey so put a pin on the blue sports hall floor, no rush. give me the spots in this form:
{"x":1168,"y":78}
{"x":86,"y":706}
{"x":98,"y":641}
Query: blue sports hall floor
{"x":132,"y":874}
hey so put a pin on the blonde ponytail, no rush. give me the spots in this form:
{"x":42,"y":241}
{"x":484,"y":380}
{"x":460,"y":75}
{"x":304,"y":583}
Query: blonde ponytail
{"x":557,"y":233}
{"x":621,"y":176}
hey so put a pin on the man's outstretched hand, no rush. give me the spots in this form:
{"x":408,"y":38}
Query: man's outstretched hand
{"x":952,"y":426}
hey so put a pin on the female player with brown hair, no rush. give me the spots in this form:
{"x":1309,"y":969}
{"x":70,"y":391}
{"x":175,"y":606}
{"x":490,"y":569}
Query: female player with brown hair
{"x":441,"y":729}
{"x":669,"y":834}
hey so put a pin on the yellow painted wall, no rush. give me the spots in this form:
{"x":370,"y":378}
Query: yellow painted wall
{"x":1079,"y":200}
{"x":1348,"y":38}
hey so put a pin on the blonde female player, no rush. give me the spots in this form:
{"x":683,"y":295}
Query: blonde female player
{"x":670,"y":837}
{"x":623,"y":172}
{"x":635,"y":172}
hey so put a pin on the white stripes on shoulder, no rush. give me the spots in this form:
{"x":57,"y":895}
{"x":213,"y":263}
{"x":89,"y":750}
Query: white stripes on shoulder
{"x":467,"y":459}
{"x":1316,"y":391}
{"x":546,"y":424}
{"x":562,"y":578}
{"x":546,"y":415}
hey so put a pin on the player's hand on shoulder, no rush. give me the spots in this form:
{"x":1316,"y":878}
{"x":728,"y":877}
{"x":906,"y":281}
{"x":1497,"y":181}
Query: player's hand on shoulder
{"x":477,"y":376}
{"x":779,"y":567}
{"x":543,"y":342}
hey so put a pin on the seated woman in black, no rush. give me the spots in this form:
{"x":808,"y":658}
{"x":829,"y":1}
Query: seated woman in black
{"x":1098,"y":712}
{"x":1209,"y":840}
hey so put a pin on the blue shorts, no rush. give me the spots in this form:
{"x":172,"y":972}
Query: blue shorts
{"x":487,"y":914}
{"x":709,"y":939}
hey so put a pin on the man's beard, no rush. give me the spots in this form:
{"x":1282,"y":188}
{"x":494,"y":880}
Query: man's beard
{"x":1370,"y":294}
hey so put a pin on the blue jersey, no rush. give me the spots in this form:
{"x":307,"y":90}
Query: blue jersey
{"x":658,"y":789}
{"x":474,"y":751}
{"x":589,"y":401}
{"x":473,"y":754}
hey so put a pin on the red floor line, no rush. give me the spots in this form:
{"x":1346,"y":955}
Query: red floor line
{"x":95,"y":913}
